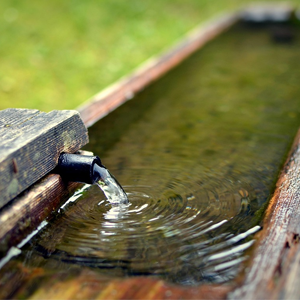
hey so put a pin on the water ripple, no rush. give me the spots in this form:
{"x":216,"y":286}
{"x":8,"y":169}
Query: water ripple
{"x":172,"y":229}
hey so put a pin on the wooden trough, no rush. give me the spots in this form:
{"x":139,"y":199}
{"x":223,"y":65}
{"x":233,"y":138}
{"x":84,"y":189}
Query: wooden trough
{"x":274,"y":272}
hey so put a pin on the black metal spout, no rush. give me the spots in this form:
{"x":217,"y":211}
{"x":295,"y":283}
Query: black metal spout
{"x":79,"y":168}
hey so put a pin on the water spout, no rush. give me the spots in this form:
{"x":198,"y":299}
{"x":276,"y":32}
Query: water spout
{"x":89,"y":169}
{"x":110,"y":186}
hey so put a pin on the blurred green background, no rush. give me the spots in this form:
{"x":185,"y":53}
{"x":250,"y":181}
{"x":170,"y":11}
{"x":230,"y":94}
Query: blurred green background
{"x":57,"y":54}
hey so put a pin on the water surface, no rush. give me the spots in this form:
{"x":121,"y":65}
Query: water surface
{"x":198,"y":153}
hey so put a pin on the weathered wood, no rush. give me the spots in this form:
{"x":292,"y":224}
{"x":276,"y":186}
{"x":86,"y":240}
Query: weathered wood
{"x":30,"y":144}
{"x":123,"y":90}
{"x":275,"y":269}
{"x":88,"y":284}
{"x":11,"y":117}
{"x":31,"y":207}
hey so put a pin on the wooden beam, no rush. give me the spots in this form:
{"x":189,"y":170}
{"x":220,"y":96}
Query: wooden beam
{"x":30,"y":144}
{"x":275,"y":269}
{"x":32,"y":207}
{"x":39,"y":202}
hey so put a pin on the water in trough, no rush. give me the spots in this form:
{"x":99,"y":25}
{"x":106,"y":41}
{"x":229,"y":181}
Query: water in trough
{"x":198,"y":153}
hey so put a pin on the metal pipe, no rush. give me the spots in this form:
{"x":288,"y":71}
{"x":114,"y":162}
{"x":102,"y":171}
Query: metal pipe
{"x":79,"y":168}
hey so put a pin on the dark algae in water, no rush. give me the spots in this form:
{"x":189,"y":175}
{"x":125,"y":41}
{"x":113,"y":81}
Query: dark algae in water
{"x":198,"y":153}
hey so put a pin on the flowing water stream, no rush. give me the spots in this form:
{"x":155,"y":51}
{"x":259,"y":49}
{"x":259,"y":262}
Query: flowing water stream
{"x":198,"y":154}
{"x":111,"y":188}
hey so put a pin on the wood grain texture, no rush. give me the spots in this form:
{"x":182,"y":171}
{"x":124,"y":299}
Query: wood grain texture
{"x":275,"y":269}
{"x":115,"y":95}
{"x":30,"y":208}
{"x":24,"y":214}
{"x":35,"y":283}
{"x":30,"y":144}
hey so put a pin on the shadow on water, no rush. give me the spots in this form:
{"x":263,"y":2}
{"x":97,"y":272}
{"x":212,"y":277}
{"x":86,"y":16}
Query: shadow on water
{"x":198,"y":153}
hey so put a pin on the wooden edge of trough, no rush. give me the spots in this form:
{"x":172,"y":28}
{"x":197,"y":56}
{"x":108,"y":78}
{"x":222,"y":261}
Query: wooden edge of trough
{"x":31,"y":142}
{"x":88,"y":284}
{"x":36,"y":204}
{"x":275,"y":265}
{"x":31,"y":208}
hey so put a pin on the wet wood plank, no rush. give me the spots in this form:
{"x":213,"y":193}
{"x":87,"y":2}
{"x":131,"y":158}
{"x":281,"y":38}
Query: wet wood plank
{"x":30,"y":144}
{"x":35,"y":283}
{"x":32,"y":207}
{"x":39,"y":202}
{"x":275,"y":269}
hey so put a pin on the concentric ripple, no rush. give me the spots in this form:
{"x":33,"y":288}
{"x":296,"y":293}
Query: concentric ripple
{"x":176,"y":230}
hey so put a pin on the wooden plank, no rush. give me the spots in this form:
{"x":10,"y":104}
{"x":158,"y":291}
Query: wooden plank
{"x":11,"y":117}
{"x":123,"y":90}
{"x":30,"y":144}
{"x":275,"y":269}
{"x":30,"y":208}
{"x":88,"y":284}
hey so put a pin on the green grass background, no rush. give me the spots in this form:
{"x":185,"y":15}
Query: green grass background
{"x":56,"y":54}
